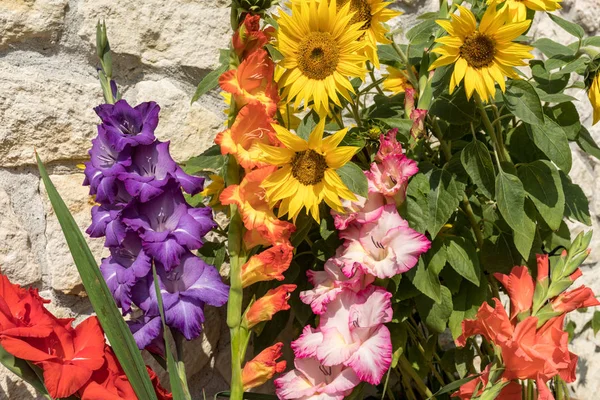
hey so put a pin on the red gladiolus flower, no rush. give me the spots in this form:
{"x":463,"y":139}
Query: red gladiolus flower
{"x":271,"y":303}
{"x":512,"y":391}
{"x":574,"y":299}
{"x":249,"y":37}
{"x":263,"y":367}
{"x":520,"y":288}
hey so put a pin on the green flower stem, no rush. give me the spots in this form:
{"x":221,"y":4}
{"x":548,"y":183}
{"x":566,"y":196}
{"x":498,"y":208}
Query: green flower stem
{"x":373,"y":79}
{"x":466,"y":206}
{"x":355,"y":113}
{"x":498,"y":148}
{"x":499,"y":136}
{"x":411,"y":74}
{"x":407,"y":369}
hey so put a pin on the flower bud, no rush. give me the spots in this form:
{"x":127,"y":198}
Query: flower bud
{"x":268,"y":265}
{"x":271,"y":303}
{"x":263,"y":367}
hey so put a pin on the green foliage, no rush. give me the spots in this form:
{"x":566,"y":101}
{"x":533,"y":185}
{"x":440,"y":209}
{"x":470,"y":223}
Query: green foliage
{"x":354,"y":178}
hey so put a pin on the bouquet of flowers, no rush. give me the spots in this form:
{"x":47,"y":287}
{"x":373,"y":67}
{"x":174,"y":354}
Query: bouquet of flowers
{"x":377,"y":199}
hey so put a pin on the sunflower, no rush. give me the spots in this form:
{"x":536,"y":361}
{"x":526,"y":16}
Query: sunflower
{"x":481,"y":55}
{"x":320,"y":51}
{"x":308,"y":171}
{"x":594,"y":95}
{"x":396,"y":81}
{"x":371,"y":14}
{"x":517,"y":9}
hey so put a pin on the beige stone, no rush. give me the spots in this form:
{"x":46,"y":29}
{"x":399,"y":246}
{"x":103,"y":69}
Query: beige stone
{"x":17,"y":260}
{"x":160,"y":33}
{"x":62,"y":272}
{"x":27,"y":20}
{"x":190,"y":128}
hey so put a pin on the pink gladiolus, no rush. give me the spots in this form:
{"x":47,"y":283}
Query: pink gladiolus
{"x":390,"y":176}
{"x":352,"y":333}
{"x":418,"y":118}
{"x":389,"y":146}
{"x":311,"y":380}
{"x":383,"y":248}
{"x":361,"y":211}
{"x":330,"y":283}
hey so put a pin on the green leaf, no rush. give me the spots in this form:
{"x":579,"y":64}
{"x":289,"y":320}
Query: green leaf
{"x":476,"y":160}
{"x":454,"y":108}
{"x":387,"y":54}
{"x":587,"y":143}
{"x":307,"y":125}
{"x":554,"y":97}
{"x":596,"y":322}
{"x":209,"y":82}
{"x":550,"y":48}
{"x":426,"y":281}
{"x":213,"y":253}
{"x":552,"y":140}
{"x":574,"y":29}
{"x":210,"y":160}
{"x":511,"y":203}
{"x":499,"y":254}
{"x":422,"y":33}
{"x":465,"y":305}
{"x":354,"y":178}
{"x":567,"y":117}
{"x":436,"y":314}
{"x":443,"y":200}
{"x":110,"y":318}
{"x":541,"y":181}
{"x":23,"y":370}
{"x":463,"y":258}
{"x":177,"y":386}
{"x":453,"y":386}
{"x":576,"y":202}
{"x":523,"y":101}
{"x":248,"y":396}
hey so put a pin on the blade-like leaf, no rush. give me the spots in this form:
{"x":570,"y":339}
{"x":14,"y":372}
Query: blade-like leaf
{"x":453,"y":386}
{"x":23,"y":370}
{"x":110,"y":318}
{"x":209,"y":82}
{"x":179,"y":392}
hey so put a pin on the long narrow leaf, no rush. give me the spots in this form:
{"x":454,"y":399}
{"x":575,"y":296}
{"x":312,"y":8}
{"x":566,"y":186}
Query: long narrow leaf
{"x":23,"y":370}
{"x":179,"y":393}
{"x":110,"y":318}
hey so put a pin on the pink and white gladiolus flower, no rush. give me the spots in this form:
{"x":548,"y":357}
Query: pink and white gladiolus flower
{"x":328,"y":284}
{"x":352,"y":333}
{"x":390,"y":176}
{"x":383,"y":248}
{"x":361,"y":211}
{"x":311,"y":380}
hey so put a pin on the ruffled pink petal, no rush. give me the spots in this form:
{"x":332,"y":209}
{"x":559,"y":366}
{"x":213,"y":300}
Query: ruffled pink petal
{"x":306,"y":345}
{"x":374,"y":357}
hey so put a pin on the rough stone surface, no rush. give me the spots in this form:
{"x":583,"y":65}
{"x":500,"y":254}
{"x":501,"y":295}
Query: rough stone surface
{"x":29,"y":20}
{"x":161,"y":50}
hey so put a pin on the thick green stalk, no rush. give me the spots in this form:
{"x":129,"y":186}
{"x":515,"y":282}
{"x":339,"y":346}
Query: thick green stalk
{"x":498,"y":147}
{"x":405,"y":367}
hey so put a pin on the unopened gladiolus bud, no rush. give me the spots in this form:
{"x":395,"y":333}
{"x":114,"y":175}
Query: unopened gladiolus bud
{"x":418,"y":118}
{"x":263,"y":367}
{"x":409,"y":100}
{"x":575,"y":275}
{"x":578,"y":298}
{"x":268,"y":265}
{"x":542,"y":267}
{"x":271,"y":303}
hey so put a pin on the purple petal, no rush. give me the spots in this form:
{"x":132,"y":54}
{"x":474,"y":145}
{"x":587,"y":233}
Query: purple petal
{"x":191,"y":184}
{"x":187,"y":316}
{"x":167,"y":252}
{"x":146,"y":332}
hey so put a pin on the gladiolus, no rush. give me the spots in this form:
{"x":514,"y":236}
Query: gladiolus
{"x":519,"y":286}
{"x":271,"y":303}
{"x":263,"y":367}
{"x":574,"y":299}
{"x":268,"y":265}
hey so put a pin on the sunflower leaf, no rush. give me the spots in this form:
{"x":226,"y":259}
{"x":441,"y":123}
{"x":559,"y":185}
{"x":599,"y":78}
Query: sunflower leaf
{"x":574,"y":29}
{"x":552,"y":140}
{"x":523,"y":101}
{"x":354,"y":178}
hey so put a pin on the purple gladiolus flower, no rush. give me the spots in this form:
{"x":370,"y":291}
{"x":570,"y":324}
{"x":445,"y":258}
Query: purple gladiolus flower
{"x":125,"y":266}
{"x":128,"y":125}
{"x":168,"y":226}
{"x":184,"y":290}
{"x":151,"y":169}
{"x":147,"y":332}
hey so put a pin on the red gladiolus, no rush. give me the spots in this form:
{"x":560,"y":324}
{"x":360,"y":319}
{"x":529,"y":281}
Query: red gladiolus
{"x":574,"y":299}
{"x":249,"y":37}
{"x":271,"y":303}
{"x":519,"y":286}
{"x":263,"y":367}
{"x":542,"y":267}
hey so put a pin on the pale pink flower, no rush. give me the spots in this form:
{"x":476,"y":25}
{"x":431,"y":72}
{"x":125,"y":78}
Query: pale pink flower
{"x":389,"y":145}
{"x":328,"y":284}
{"x":311,"y":380}
{"x":352,"y":333}
{"x":383,"y":248}
{"x":390,"y":176}
{"x":418,"y":118}
{"x":362,"y":211}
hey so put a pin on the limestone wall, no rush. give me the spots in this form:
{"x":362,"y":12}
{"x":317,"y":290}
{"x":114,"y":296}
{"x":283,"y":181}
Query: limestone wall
{"x":162,"y":48}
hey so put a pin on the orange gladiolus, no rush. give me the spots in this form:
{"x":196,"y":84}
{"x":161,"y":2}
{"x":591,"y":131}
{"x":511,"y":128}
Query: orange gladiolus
{"x":264,"y":228}
{"x":268,"y":265}
{"x":263,"y":367}
{"x":542,"y":267}
{"x":512,"y":391}
{"x":519,"y":286}
{"x":249,"y":37}
{"x":251,"y":126}
{"x":252,"y":82}
{"x":574,"y":299}
{"x":271,"y":303}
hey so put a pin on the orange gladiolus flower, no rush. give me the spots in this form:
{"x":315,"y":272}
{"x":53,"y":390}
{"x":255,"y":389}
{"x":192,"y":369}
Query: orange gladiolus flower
{"x":520,"y":288}
{"x":542,"y":267}
{"x":574,"y":299}
{"x":252,"y":125}
{"x":271,"y":303}
{"x":263,"y":367}
{"x":264,"y":228}
{"x":252,"y":82}
{"x":249,"y":37}
{"x":268,"y":265}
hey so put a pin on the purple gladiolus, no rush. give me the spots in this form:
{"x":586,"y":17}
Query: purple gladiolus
{"x":145,"y":220}
{"x":128,"y":125}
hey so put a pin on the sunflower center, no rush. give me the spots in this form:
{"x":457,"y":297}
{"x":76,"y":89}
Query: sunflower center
{"x":362,"y":12}
{"x":318,"y":55}
{"x":308,"y":167}
{"x":478,"y":50}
